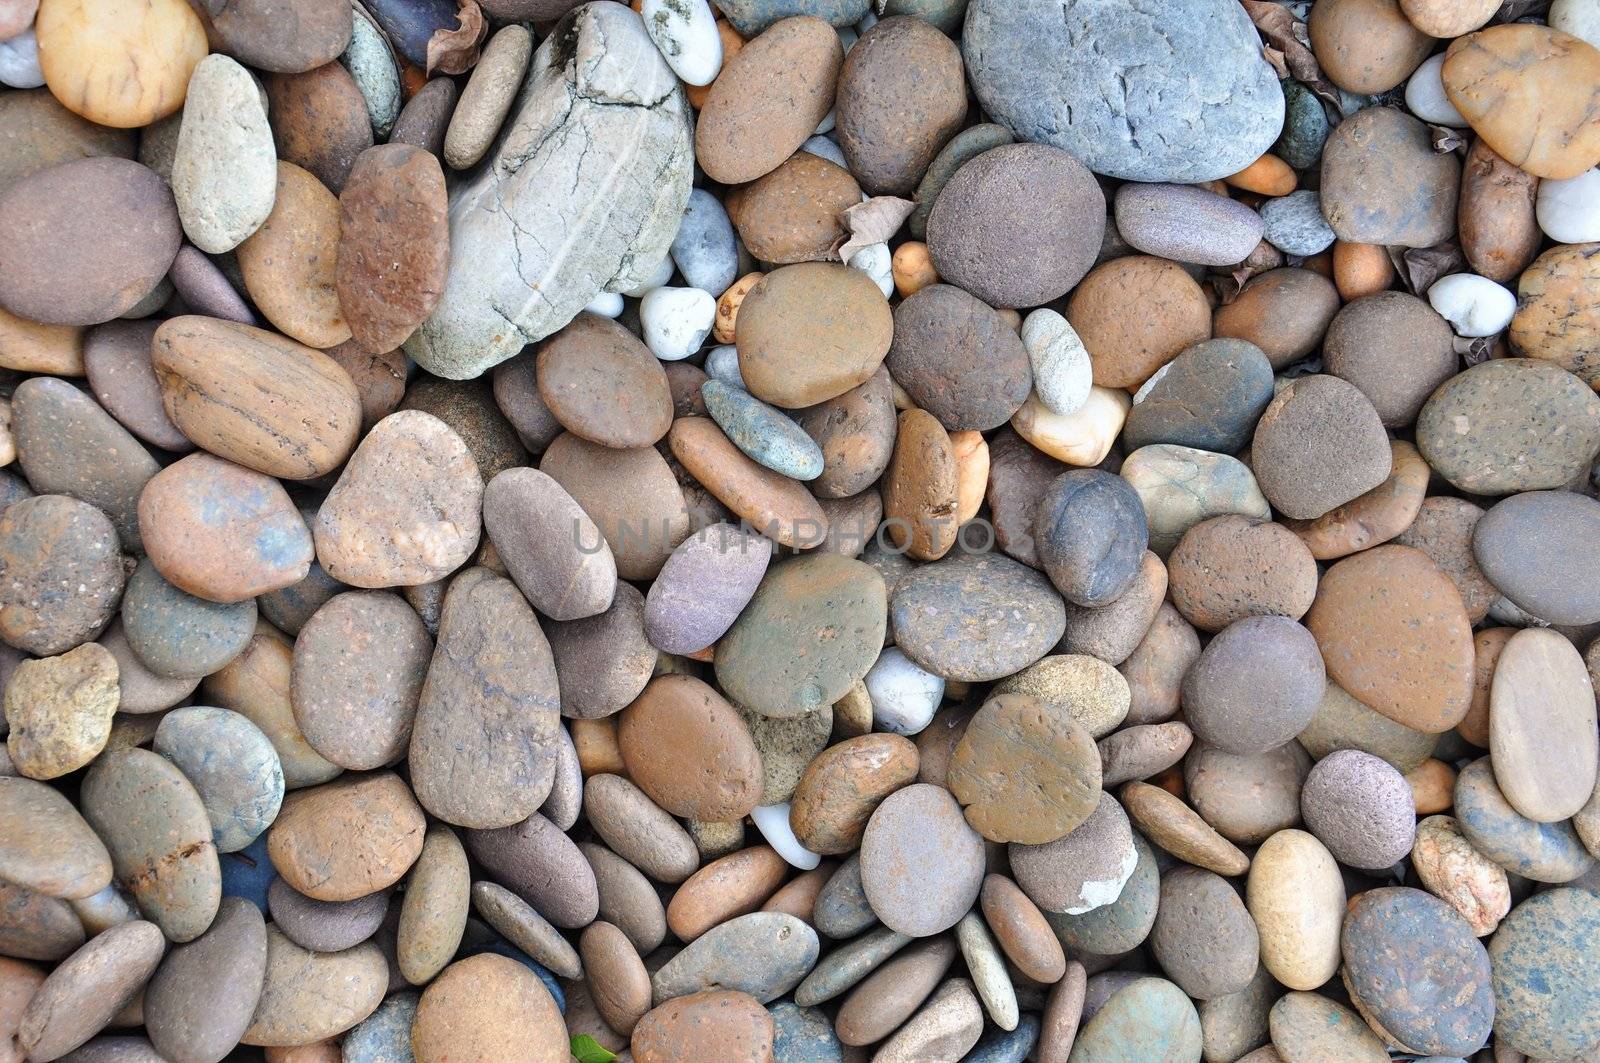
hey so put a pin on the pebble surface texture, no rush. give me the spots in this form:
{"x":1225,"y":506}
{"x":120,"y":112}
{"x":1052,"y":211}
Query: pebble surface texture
{"x":799,"y":531}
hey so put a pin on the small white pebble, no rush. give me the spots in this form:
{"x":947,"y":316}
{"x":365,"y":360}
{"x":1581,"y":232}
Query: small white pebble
{"x":1062,"y":372}
{"x":824,"y":148}
{"x":685,"y":31}
{"x":1474,"y":305}
{"x":876,"y":261}
{"x":773,"y":823}
{"x":1426,"y":97}
{"x":676,"y":321}
{"x":606,"y":304}
{"x":904,"y":696}
{"x":658,"y":276}
{"x":1569,"y":210}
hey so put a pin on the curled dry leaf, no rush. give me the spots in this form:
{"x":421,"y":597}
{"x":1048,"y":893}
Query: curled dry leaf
{"x":456,"y":51}
{"x":1419,"y":267}
{"x":873,"y":222}
{"x":1288,"y":37}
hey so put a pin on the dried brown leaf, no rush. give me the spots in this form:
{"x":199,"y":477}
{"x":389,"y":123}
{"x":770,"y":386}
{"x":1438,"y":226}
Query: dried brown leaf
{"x":1290,"y":37}
{"x":1419,"y":267}
{"x":873,"y":222}
{"x":456,"y":51}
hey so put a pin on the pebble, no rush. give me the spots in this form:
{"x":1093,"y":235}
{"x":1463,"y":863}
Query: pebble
{"x":46,"y":846}
{"x":1420,"y":355}
{"x":324,"y":926}
{"x":85,"y":993}
{"x":617,"y":979}
{"x":1382,"y":182}
{"x":356,"y":526}
{"x":841,"y":351}
{"x":764,"y":434}
{"x":1062,"y":373}
{"x":1366,"y":46}
{"x":250,"y":33}
{"x":794,"y":213}
{"x":154,"y":825}
{"x":1235,"y":566}
{"x":347,"y":838}
{"x":975,"y":618}
{"x":1455,"y":872}
{"x":1550,"y":293}
{"x":58,"y":711}
{"x":1284,"y":312}
{"x":1126,"y":346}
{"x":921,"y":864}
{"x":1544,"y":852}
{"x":1113,"y":632}
{"x":1308,"y":1026}
{"x":1036,"y":193}
{"x":1208,"y":397}
{"x":116,"y":359}
{"x":1541,"y":716}
{"x":233,"y":767}
{"x":1179,"y":487}
{"x":19,"y":61}
{"x":904,"y":696}
{"x":1342,"y":722}
{"x":1499,"y":230}
{"x":1295,"y":224}
{"x":729,"y":1024}
{"x":1318,"y":445}
{"x":224,"y":173}
{"x":1013,"y":56}
{"x":1305,"y":127}
{"x":894,"y":991}
{"x":1543,"y":992}
{"x":934,"y":331}
{"x":703,"y":587}
{"x":705,"y":250}
{"x":1482,"y":78}
{"x":1255,"y":686}
{"x":1149,"y":1019}
{"x":676,"y":321}
{"x":64,"y":573}
{"x":492,"y":677}
{"x":679,"y":720}
{"x":487,"y":96}
{"x":606,"y":659}
{"x":256,"y":684}
{"x":200,"y":1001}
{"x":1187,"y":223}
{"x":490,"y":1007}
{"x":371,"y":62}
{"x":765,"y":954}
{"x":901,"y":95}
{"x":842,"y":787}
{"x":1552,"y":532}
{"x":1360,"y":808}
{"x":1012,"y":737}
{"x":1577,"y":18}
{"x":1093,"y":570}
{"x":1426,"y":97}
{"x":1203,"y":937}
{"x":1297,"y":899}
{"x":804,"y":1035}
{"x":1088,"y":868}
{"x":385,"y":1035}
{"x":1474,"y":305}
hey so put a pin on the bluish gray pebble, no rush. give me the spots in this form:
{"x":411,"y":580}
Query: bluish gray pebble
{"x":1295,"y":225}
{"x":1305,"y":127}
{"x":723,"y":364}
{"x":766,"y":436}
{"x":750,"y":17}
{"x":385,"y":1035}
{"x":1006,"y":1046}
{"x":803,"y":1035}
{"x":705,"y":250}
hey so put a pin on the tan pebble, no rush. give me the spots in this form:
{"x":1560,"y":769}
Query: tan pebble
{"x":733,"y":885}
{"x":1448,"y":19}
{"x":852,"y":714}
{"x":1372,"y":518}
{"x":798,"y":897}
{"x":1459,"y":875}
{"x":1433,"y":784}
{"x":1081,"y":438}
{"x":1495,"y":218}
{"x":728,"y":306}
{"x":348,"y":838}
{"x":912,"y":266}
{"x":1297,"y":898}
{"x":31,"y":347}
{"x":841,"y":788}
{"x":618,"y":981}
{"x":1267,"y":176}
{"x":1558,"y":315}
{"x":119,"y":63}
{"x":489,"y":1007}
{"x":59,"y":710}
{"x":1022,"y":930}
{"x":920,"y":489}
{"x":972,"y":472}
{"x":1177,"y":828}
{"x":1542,"y":726}
{"x":596,"y":742}
{"x":289,"y":262}
{"x":1360,"y":270}
{"x":1366,"y":46}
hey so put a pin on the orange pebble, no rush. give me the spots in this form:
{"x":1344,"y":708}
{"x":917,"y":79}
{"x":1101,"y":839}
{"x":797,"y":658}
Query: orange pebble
{"x":1268,"y":175}
{"x":913,"y":268}
{"x":1361,"y":270}
{"x":1433,"y":784}
{"x":728,"y":306}
{"x":1320,"y":263}
{"x":972,"y":472}
{"x":596,"y":742}
{"x":731,"y":43}
{"x":412,"y":78}
{"x":319,"y":1052}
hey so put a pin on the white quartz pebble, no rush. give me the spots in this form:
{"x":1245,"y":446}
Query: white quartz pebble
{"x":676,"y":321}
{"x":606,"y":304}
{"x":904,"y":696}
{"x":1474,"y":305}
{"x":1425,"y":96}
{"x":1062,"y":372}
{"x":1581,"y":18}
{"x":773,"y":823}
{"x":1569,"y":210}
{"x":19,"y":61}
{"x":877,"y":262}
{"x":685,"y":31}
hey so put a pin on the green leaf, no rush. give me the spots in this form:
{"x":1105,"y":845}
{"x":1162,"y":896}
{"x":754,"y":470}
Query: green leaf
{"x":586,"y":1049}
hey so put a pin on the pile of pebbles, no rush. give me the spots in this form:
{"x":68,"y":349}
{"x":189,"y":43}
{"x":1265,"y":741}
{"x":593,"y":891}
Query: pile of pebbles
{"x":799,"y":531}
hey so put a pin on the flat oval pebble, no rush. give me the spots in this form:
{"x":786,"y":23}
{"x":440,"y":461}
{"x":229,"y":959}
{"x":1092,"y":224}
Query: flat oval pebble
{"x":1203,"y":937}
{"x":385,"y":1035}
{"x":116,"y":358}
{"x":289,"y":263}
{"x":1296,"y":897}
{"x":703,"y":587}
{"x":679,"y":720}
{"x":1309,"y":1026}
{"x":433,"y":912}
{"x":1342,"y":722}
{"x":1086,"y":869}
{"x":483,"y":744}
{"x":308,"y":996}
{"x":1255,"y":686}
{"x":764,"y":954}
{"x":1149,"y":1019}
{"x":233,"y":767}
{"x":843,"y":785}
{"x":921,"y":864}
{"x":626,"y":897}
{"x":630,"y":495}
{"x":729,"y":1024}
{"x":1284,"y":312}
{"x":921,"y":489}
{"x":1541,"y":717}
{"x":222,"y":532}
{"x":765,"y":435}
{"x":1186,"y":223}
{"x":807,"y":601}
{"x":976,"y":617}
{"x":856,"y":433}
{"x":1128,"y":347}
{"x":347,"y":838}
{"x":1398,"y":935}
{"x":1529,"y":544}
{"x":1016,"y":737}
{"x":1318,"y":445}
{"x":46,"y":846}
{"x":91,"y":986}
{"x":839,"y":351}
{"x":549,"y":546}
{"x":1493,"y":429}
{"x":156,"y":828}
{"x":525,"y":928}
{"x":641,"y":831}
{"x":1208,"y":398}
{"x":200,"y":1002}
{"x":603,"y":384}
{"x":1544,"y":852}
{"x":1382,"y":182}
{"x":224,"y":171}
{"x":320,"y":125}
{"x":1360,"y":808}
{"x":935,"y":330}
{"x":602,"y":662}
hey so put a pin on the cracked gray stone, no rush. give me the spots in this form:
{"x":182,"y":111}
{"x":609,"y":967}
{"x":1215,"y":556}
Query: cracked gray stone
{"x":583,"y":194}
{"x":1141,"y":90}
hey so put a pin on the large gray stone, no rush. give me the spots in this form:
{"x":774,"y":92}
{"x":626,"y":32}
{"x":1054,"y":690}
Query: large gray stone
{"x":1137,"y":89}
{"x":583,"y":194}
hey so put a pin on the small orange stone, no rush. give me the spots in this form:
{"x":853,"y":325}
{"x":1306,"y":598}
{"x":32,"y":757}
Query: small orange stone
{"x":1433,"y":784}
{"x":1268,"y":175}
{"x":728,"y":306}
{"x":913,"y":268}
{"x":731,"y":43}
{"x":596,"y":742}
{"x":1360,"y":270}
